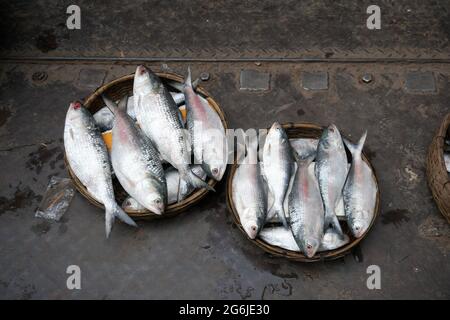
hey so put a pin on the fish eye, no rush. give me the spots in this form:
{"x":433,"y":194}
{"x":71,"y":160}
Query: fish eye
{"x":158,"y":201}
{"x":309,"y":246}
{"x":215,"y":171}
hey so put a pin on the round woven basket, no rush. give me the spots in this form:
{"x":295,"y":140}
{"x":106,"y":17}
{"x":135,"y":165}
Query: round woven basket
{"x":302,"y":130}
{"x":116,"y":89}
{"x":438,"y":178}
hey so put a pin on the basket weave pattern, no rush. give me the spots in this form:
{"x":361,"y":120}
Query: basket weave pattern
{"x":438,"y":178}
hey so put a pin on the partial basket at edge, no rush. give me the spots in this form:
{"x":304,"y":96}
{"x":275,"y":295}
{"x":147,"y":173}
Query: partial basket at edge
{"x":437,"y":174}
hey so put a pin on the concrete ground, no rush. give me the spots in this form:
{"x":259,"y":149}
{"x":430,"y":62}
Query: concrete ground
{"x":201,"y":254}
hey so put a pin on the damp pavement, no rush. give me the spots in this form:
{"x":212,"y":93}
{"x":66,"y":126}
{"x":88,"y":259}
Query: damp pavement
{"x":201,"y":254}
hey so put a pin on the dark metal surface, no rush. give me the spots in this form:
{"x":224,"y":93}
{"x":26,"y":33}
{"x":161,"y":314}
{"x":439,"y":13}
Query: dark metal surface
{"x":201,"y":254}
{"x":217,"y":30}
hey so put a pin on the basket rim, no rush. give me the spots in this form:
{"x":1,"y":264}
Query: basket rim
{"x":172,"y":209}
{"x":292,"y":255}
{"x":437,"y":175}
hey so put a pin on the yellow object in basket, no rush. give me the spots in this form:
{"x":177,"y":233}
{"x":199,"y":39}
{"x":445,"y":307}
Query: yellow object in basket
{"x":107,"y":137}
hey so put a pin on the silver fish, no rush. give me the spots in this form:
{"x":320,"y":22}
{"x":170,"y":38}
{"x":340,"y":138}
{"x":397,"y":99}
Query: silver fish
{"x":283,"y":238}
{"x":447,"y":161}
{"x":250,"y":196}
{"x":278,"y":164}
{"x":88,"y":158}
{"x":158,"y":117}
{"x":331,"y":171}
{"x":206,"y":131}
{"x":104,"y":117}
{"x":306,"y":209}
{"x":135,"y":161}
{"x":174,"y":183}
{"x":304,"y":147}
{"x":359,"y":191}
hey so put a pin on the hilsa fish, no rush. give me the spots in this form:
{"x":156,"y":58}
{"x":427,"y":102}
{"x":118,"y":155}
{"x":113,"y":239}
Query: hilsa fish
{"x":207,"y":133}
{"x":278,"y":165}
{"x":305,"y":209}
{"x":88,"y":158}
{"x":331,"y":171}
{"x":359,"y":192}
{"x":158,"y":117}
{"x":250,"y":195}
{"x":135,"y":161}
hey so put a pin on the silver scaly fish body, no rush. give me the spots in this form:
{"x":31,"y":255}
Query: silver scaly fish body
{"x":206,"y":131}
{"x":88,"y":158}
{"x":279,"y":165}
{"x":331,"y":172}
{"x":173,"y":194}
{"x":158,"y":117}
{"x":250,"y":196}
{"x":104,"y":117}
{"x":359,"y":192}
{"x":283,"y":238}
{"x":136,"y":163}
{"x":305,"y":209}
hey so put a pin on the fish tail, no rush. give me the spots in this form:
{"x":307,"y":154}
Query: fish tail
{"x":116,"y":212}
{"x":195,"y":181}
{"x":111,"y":105}
{"x":331,"y":219}
{"x":306,"y":161}
{"x":356,"y":149}
{"x":188,"y":81}
{"x":278,"y":210}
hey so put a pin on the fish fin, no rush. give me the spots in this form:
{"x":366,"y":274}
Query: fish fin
{"x":356,"y":149}
{"x":277,"y":210}
{"x":123,"y":103}
{"x":112,"y":213}
{"x":195,"y":181}
{"x":334,"y":222}
{"x":111,"y":105}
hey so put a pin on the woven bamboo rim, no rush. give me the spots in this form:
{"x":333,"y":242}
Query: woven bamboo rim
{"x":437,"y":174}
{"x":302,"y":130}
{"x":116,"y":89}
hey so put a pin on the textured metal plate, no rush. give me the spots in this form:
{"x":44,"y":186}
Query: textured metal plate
{"x":227,"y":30}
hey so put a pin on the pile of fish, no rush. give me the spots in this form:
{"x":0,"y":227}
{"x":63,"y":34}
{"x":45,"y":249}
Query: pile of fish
{"x":292,"y":197}
{"x":151,"y":146}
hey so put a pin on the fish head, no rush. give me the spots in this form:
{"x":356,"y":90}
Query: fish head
{"x":252,"y":222}
{"x":310,"y":246}
{"x":277,"y":132}
{"x":144,"y":77}
{"x":152,"y":195}
{"x":276,"y":140}
{"x":359,"y":223}
{"x":215,"y":170}
{"x":130,"y":204}
{"x":331,"y":138}
{"x":76,"y":110}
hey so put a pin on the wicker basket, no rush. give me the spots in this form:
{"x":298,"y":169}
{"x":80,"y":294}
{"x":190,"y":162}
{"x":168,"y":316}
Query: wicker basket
{"x":116,"y":89}
{"x":301,"y":130}
{"x":437,"y":174}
